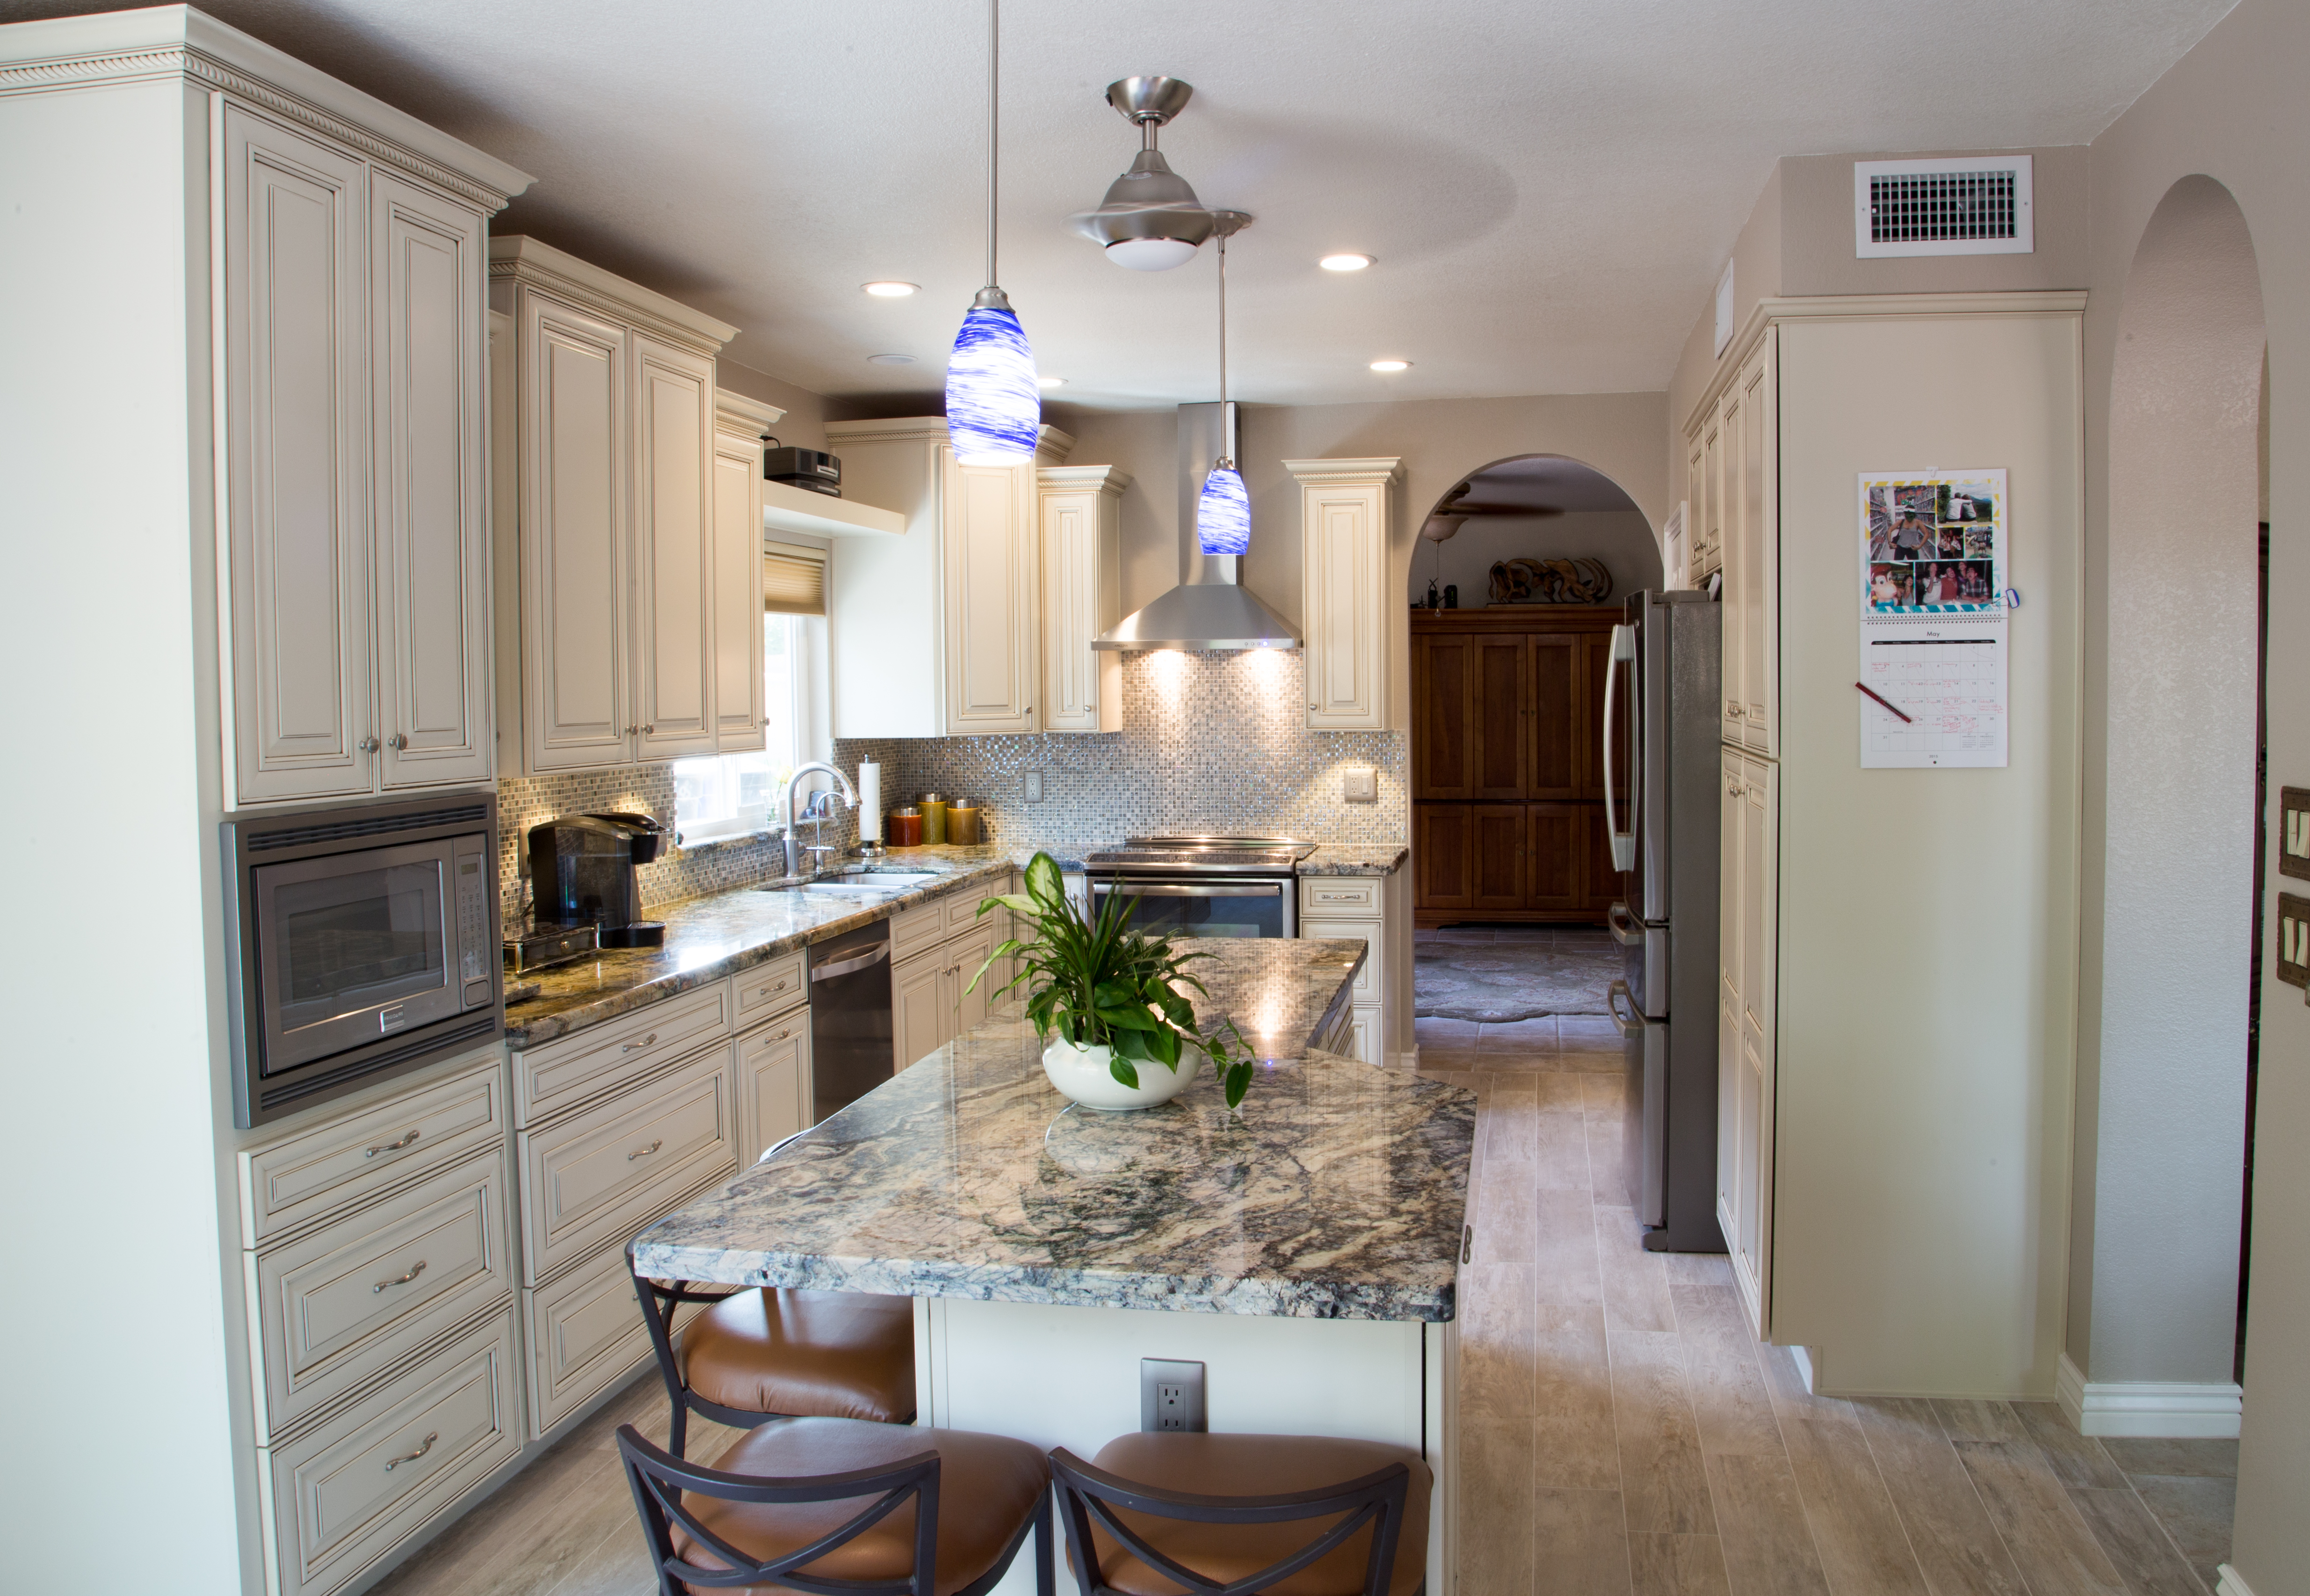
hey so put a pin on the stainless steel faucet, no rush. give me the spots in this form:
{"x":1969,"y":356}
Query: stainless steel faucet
{"x":794,"y":842}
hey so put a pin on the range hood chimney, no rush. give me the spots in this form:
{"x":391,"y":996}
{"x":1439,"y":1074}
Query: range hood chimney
{"x":1210,"y":610}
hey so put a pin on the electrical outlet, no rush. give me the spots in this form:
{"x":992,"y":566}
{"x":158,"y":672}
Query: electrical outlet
{"x":1170,"y":1395}
{"x":1031,"y":787}
{"x":1359,"y":784}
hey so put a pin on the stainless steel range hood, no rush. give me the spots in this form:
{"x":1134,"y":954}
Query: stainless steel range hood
{"x":1210,"y":610}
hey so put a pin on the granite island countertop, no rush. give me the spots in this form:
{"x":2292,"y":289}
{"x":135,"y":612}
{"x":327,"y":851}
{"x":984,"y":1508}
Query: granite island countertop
{"x":1355,"y":859}
{"x":1338,"y":1190}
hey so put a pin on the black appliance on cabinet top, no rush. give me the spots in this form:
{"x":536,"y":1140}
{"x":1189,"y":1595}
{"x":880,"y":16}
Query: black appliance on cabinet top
{"x":362,"y":942}
{"x":1203,"y":886}
{"x":814,"y":469}
{"x":581,"y":871}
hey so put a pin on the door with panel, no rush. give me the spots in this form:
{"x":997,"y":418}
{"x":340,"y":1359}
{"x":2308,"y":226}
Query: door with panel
{"x":1730,"y":419}
{"x":1752,"y":1245}
{"x":773,"y":1084}
{"x":1441,"y":856}
{"x":1754,"y":525}
{"x":1496,"y":856}
{"x":736,"y":582}
{"x":991,"y":569}
{"x":919,"y":1011}
{"x":1444,"y":741}
{"x":1560,"y":840}
{"x":296,"y":425}
{"x":966,"y":1005}
{"x":1501,"y":713}
{"x":576,"y":554}
{"x":1560,"y":754}
{"x":673,"y":400}
{"x":432,"y":547}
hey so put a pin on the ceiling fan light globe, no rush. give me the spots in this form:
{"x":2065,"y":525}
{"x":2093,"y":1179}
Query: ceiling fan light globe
{"x":1151,"y":255}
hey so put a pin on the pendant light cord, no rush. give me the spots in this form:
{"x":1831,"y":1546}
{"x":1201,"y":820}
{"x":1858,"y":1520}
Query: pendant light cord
{"x":994,"y":64}
{"x":1226,"y":417}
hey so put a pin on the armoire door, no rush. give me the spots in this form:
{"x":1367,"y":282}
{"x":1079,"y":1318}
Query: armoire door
{"x":1501,"y":711}
{"x":1558,"y":725}
{"x":673,"y":550}
{"x":1441,"y":847}
{"x":577,"y":613}
{"x":990,"y":572}
{"x":296,"y":427}
{"x":737,"y":584}
{"x":1444,"y":734}
{"x":1557,"y":843}
{"x":1497,"y":864}
{"x":427,"y":265}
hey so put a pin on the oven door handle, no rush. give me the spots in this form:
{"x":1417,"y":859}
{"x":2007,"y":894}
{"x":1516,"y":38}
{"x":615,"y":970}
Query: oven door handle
{"x":1189,"y":890}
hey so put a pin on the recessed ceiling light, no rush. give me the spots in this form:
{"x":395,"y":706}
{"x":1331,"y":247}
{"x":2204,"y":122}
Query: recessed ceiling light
{"x":1050,"y":382}
{"x":1391,"y":365}
{"x":889,"y":359}
{"x":890,"y":290}
{"x":1344,"y":263}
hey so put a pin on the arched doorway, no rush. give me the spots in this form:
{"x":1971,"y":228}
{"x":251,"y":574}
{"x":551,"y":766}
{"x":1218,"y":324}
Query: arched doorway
{"x":1545,"y":506}
{"x":2168,"y":1043}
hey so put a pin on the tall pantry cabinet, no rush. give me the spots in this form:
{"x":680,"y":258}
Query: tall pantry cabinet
{"x":1898,"y":947}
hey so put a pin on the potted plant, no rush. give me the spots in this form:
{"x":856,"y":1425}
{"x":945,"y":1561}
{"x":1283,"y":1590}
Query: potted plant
{"x":1105,"y":1001}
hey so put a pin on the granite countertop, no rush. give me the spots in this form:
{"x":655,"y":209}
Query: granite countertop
{"x":1338,"y":1190}
{"x":707,"y":939}
{"x":1352,"y":859}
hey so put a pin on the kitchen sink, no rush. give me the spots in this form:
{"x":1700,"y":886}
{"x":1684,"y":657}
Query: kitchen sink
{"x":880,"y":884}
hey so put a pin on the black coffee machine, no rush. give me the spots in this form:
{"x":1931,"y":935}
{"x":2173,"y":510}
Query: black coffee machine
{"x":581,"y":871}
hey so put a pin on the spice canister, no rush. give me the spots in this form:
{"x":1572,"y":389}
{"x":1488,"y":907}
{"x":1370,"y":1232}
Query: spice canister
{"x":962,"y":823}
{"x":904,"y":827}
{"x":934,"y":808}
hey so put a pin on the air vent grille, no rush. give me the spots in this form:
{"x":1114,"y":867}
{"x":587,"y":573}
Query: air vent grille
{"x":1972,"y":206}
{"x":265,"y":842}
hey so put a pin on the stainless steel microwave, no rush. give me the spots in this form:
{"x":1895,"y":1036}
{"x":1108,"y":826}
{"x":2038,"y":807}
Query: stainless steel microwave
{"x":363,"y":942}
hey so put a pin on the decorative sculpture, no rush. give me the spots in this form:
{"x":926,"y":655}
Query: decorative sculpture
{"x":1524,"y":581}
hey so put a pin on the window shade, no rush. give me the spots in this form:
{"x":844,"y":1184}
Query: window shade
{"x":794,"y":581}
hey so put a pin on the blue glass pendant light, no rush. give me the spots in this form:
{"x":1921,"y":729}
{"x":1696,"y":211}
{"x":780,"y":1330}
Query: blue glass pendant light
{"x":1223,"y":511}
{"x":993,"y":408}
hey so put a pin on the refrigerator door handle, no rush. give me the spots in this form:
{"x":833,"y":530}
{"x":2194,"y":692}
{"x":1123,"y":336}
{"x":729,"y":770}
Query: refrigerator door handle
{"x":1624,"y":842}
{"x":1632,"y":1023}
{"x":1624,"y":927}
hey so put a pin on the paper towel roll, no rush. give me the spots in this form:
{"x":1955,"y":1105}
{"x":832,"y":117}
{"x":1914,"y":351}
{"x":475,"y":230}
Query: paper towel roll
{"x":869,"y":801}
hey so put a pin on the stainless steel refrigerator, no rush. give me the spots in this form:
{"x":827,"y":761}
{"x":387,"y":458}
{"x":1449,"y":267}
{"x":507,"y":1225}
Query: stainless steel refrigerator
{"x":1663,"y":711}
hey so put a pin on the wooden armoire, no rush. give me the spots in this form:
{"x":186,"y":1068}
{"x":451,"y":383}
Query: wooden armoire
{"x":1508,"y":770}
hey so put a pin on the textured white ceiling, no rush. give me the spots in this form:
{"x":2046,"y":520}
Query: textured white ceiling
{"x":1551,"y":189}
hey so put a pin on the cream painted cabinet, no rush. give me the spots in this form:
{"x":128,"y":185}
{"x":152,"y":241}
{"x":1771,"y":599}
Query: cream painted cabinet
{"x":774,"y":1082}
{"x":935,"y":633}
{"x":967,"y":1004}
{"x":1344,"y":511}
{"x":1741,"y":458}
{"x":740,"y":425}
{"x":611,"y":654}
{"x":1746,"y":939}
{"x":919,"y":1009}
{"x":1082,"y":596}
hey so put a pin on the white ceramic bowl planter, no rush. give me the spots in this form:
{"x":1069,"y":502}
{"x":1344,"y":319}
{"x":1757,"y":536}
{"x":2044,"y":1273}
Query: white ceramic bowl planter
{"x":1082,"y":1073}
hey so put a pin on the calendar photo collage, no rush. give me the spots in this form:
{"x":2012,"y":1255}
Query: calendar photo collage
{"x":1931,"y":548}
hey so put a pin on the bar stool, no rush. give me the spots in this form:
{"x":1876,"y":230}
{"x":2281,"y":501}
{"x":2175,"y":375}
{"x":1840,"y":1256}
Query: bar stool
{"x":1154,"y":1513}
{"x":764,"y":1352}
{"x":839,"y":1506}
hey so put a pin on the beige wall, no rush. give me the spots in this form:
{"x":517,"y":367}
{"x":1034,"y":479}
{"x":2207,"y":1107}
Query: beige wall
{"x":1621,"y":539}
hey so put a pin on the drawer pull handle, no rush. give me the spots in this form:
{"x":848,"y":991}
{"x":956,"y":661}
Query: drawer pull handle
{"x":773,"y":986}
{"x":782,"y":1035}
{"x":391,"y":1146}
{"x":647,"y":1151}
{"x":423,"y":1447}
{"x":404,"y":1280}
{"x":1467,"y":1243}
{"x":637,"y":1047}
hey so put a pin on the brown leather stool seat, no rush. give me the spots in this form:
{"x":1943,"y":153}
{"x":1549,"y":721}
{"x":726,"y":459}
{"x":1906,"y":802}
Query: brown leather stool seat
{"x":990,"y":1491}
{"x":1250,"y":1469}
{"x":817,"y":1354}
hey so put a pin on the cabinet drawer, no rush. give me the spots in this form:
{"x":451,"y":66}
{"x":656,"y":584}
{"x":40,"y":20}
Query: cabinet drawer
{"x":1339,"y":895}
{"x":920,"y":927}
{"x":570,"y":1070}
{"x":962,"y":907}
{"x":1317,"y":927}
{"x":778,"y":983}
{"x":607,"y":1171}
{"x":585,"y":1334}
{"x":348,"y":1491}
{"x":351,"y":1299}
{"x":335,"y":1165}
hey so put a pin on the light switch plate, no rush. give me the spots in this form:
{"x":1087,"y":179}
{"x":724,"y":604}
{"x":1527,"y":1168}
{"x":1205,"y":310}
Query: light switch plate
{"x":2294,"y":831}
{"x":2294,"y":941}
{"x":1359,"y":784}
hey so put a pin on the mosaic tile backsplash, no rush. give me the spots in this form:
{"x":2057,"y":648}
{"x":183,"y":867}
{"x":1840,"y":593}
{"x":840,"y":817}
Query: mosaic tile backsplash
{"x":1213,"y":743}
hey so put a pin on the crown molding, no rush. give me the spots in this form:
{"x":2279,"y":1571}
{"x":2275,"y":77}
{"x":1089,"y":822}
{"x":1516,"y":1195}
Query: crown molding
{"x":1105,"y":479}
{"x":175,"y":41}
{"x":521,"y":259}
{"x":736,"y":412}
{"x":1347,"y":474}
{"x":1052,"y":445}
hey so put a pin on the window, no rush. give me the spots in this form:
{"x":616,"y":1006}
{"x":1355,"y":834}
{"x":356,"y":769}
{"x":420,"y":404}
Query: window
{"x":728,"y":796}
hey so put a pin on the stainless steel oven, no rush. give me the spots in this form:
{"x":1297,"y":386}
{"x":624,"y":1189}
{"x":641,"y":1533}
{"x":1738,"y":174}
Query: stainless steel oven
{"x":364,"y":942}
{"x":1203,"y":886}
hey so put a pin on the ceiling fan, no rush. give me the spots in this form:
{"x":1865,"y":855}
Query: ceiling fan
{"x":1457,"y":507}
{"x":1150,"y":219}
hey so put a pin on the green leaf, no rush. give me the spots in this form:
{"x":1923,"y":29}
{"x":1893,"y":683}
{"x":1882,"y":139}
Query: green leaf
{"x":1122,"y":1071}
{"x":1238,"y":1082}
{"x":1012,"y":901}
{"x":1045,"y":884}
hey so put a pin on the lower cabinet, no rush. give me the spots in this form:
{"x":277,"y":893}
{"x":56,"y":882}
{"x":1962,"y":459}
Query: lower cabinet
{"x":774,"y":1083}
{"x":1368,"y":910}
{"x":586,"y":1332}
{"x":917,"y":1007}
{"x":1530,"y":862}
{"x":932,"y":997}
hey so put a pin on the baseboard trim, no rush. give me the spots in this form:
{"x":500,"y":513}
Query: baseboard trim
{"x":1803,"y":1357}
{"x":2229,"y":1584}
{"x":2148,"y":1408}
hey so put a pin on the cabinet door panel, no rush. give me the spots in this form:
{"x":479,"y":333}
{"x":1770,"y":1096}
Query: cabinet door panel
{"x":773,"y":1084}
{"x":1727,"y":463}
{"x":1346,"y":651}
{"x":737,"y":584}
{"x":1082,"y":686}
{"x":433,"y":554}
{"x":1496,"y":856}
{"x":918,"y":1007}
{"x":1556,"y":837}
{"x":990,"y":603}
{"x":1440,"y":853}
{"x":1760,"y":547}
{"x":1731,"y":882}
{"x":673,"y":549}
{"x":1758,"y":884}
{"x":964,"y":956}
{"x":575,"y":613}
{"x":1500,"y":705}
{"x":1560,"y":756}
{"x":297,"y":467}
{"x":1442,"y":686}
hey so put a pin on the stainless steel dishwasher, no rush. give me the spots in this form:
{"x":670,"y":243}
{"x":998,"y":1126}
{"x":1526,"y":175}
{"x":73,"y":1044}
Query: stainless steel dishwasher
{"x":850,"y":1038}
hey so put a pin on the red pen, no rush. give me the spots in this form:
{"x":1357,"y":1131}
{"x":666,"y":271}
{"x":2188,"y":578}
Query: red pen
{"x":1888,"y":703}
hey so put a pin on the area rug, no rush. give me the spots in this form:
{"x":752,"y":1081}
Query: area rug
{"x":1496,"y":983}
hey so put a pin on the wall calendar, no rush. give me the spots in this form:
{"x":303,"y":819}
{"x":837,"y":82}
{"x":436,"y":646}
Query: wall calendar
{"x":1935,"y":612}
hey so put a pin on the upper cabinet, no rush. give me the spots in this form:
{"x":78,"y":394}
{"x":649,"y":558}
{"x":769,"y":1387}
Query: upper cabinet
{"x":1082,"y":596}
{"x":352,"y":447}
{"x":1345,"y":510}
{"x":611,"y":650}
{"x":740,"y":425}
{"x":1733,"y":448}
{"x":937,"y":632}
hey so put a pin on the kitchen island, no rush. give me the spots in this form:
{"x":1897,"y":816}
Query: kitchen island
{"x":1305,"y":1248}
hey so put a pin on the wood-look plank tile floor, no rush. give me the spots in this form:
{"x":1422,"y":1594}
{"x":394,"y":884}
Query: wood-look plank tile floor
{"x":1621,"y":1432}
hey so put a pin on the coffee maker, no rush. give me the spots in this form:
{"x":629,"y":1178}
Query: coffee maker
{"x":581,"y":871}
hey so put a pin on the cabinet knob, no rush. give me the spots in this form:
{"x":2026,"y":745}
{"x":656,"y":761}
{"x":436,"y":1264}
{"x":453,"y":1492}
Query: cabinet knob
{"x":396,"y":742}
{"x":369,"y":745}
{"x":649,"y":730}
{"x":631,"y":730}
